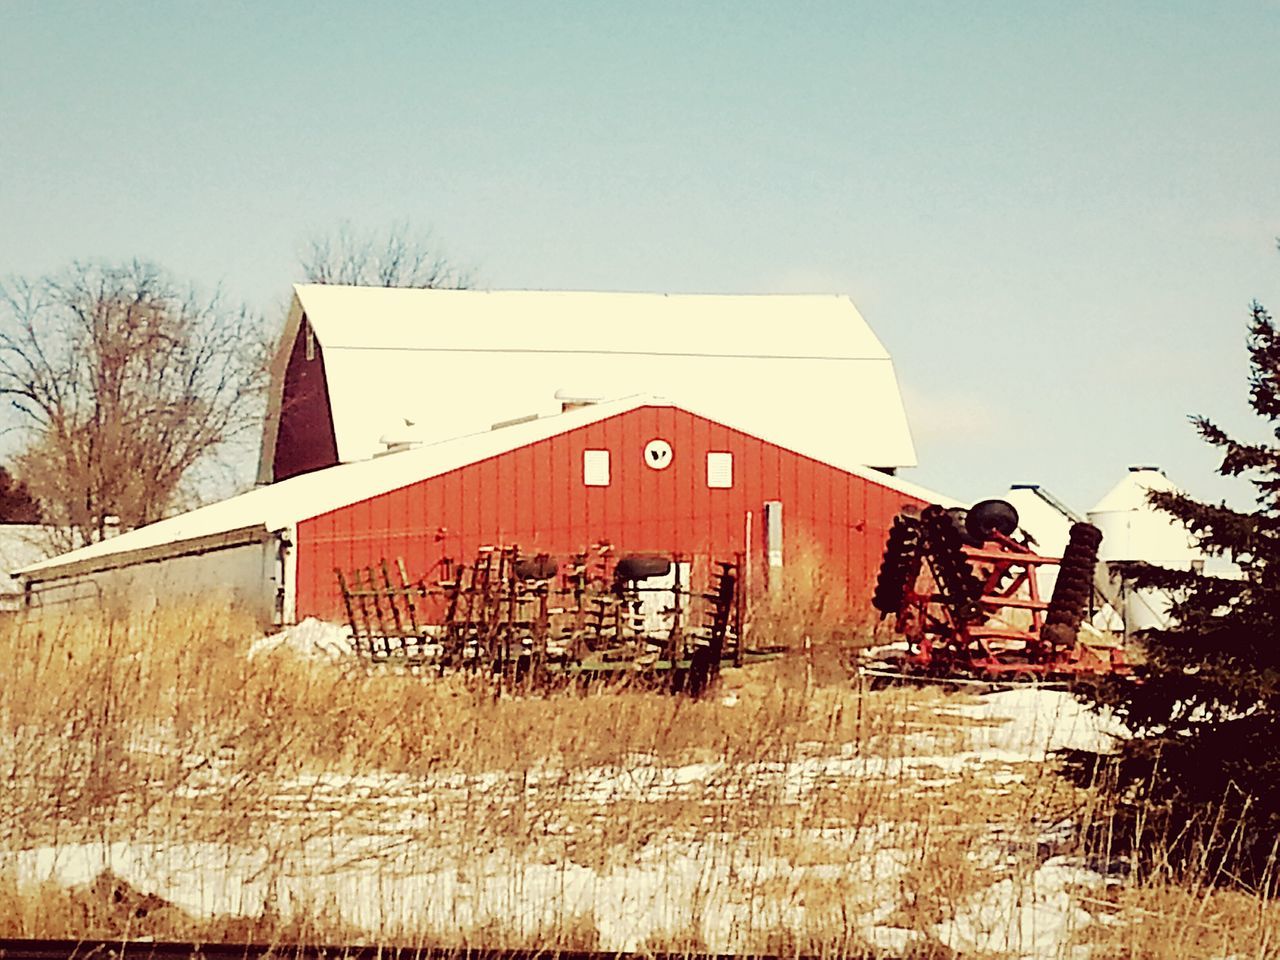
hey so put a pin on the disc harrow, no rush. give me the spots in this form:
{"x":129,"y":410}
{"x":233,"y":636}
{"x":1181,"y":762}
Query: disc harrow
{"x":962,"y":589}
{"x":901,"y":566}
{"x":959,"y":589}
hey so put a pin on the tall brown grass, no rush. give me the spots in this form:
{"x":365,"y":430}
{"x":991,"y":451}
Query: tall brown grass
{"x":805,"y":608}
{"x":158,"y":730}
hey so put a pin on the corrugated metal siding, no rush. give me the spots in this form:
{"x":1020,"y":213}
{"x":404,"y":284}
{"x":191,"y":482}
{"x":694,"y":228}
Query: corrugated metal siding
{"x":535,"y":496}
{"x":242,"y":576}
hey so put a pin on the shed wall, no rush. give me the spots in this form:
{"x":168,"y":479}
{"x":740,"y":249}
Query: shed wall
{"x":245,"y":576}
{"x":535,"y":496}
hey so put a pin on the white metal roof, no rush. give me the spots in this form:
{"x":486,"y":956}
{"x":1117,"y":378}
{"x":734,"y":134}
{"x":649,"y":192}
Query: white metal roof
{"x":1130,"y":492}
{"x":1135,"y":530}
{"x":796,"y":370}
{"x":1048,"y":525}
{"x":548,"y":321}
{"x":279,"y":505}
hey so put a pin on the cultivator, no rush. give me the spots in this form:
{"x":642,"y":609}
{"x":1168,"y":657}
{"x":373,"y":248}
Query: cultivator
{"x":520,"y":614}
{"x":964,"y":593}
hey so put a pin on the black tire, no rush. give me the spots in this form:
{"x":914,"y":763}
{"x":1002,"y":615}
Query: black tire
{"x":987,"y":515}
{"x":642,"y":566}
{"x":535,"y":568}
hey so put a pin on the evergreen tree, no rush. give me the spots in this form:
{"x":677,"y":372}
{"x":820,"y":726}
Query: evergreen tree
{"x":1200,"y":782}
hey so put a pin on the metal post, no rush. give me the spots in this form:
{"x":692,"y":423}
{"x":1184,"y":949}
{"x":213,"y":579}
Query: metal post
{"x":773,"y":542}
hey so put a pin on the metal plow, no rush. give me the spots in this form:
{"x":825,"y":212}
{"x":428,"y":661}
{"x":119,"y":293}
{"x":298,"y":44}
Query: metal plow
{"x":533,"y":617}
{"x":963,"y":591}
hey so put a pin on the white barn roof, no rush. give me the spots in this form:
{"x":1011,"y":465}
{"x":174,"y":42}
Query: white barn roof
{"x":279,"y":505}
{"x":806,"y":372}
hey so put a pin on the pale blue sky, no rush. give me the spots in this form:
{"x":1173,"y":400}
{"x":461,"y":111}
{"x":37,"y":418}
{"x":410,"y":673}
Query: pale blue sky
{"x":1054,"y":215}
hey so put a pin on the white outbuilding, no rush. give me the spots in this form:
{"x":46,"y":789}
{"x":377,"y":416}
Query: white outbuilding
{"x":1047,"y":520}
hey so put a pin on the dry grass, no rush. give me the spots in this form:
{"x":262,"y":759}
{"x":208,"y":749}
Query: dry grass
{"x":805,"y":608}
{"x":279,"y":799}
{"x":1155,"y":921}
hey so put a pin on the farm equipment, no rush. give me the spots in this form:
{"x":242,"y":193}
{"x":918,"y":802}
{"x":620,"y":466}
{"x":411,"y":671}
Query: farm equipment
{"x":526,"y":615}
{"x":963,"y":590}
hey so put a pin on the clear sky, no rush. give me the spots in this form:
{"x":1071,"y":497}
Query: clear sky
{"x":1054,"y":215}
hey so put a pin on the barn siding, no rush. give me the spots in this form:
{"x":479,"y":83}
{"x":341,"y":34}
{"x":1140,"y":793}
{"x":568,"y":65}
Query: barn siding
{"x":305,"y":440}
{"x":535,"y":496}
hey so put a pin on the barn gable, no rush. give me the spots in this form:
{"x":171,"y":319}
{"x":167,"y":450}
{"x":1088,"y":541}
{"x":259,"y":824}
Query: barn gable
{"x":702,"y":496}
{"x":363,"y":367}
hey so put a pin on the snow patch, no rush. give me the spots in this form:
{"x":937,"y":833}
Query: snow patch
{"x":311,"y":639}
{"x":382,"y":887}
{"x":1029,"y":917}
{"x":1036,"y":722}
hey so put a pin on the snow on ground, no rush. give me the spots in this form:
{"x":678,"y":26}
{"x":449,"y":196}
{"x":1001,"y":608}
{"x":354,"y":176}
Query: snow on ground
{"x":383,"y":874}
{"x":1030,"y":917}
{"x":1028,"y":723}
{"x":418,"y":886}
{"x":311,"y":639}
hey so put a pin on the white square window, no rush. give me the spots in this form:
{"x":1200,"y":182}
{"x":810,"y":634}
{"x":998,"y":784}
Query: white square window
{"x":720,"y":470}
{"x":595,"y":468}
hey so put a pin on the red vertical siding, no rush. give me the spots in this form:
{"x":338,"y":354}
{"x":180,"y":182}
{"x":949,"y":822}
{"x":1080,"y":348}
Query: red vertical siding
{"x":535,"y":496}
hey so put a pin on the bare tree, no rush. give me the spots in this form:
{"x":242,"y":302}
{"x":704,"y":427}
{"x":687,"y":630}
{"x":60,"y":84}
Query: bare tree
{"x":400,"y":258}
{"x":123,"y":384}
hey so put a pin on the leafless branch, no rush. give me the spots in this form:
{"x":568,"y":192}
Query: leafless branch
{"x":400,"y":258}
{"x":123,"y":382}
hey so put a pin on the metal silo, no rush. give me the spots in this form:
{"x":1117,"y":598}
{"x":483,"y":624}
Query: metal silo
{"x":1133,"y":530}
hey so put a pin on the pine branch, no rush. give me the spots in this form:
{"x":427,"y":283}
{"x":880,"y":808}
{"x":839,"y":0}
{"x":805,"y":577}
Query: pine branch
{"x":1218,"y":528}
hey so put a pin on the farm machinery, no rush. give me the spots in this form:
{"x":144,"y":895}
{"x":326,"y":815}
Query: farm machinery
{"x":533,"y":616}
{"x":964,"y":591}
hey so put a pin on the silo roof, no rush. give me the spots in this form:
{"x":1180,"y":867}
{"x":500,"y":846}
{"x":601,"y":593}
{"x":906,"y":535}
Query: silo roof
{"x":1130,"y":493}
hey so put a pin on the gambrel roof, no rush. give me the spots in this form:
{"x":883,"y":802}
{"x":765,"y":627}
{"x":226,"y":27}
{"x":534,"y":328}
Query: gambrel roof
{"x":805,"y":372}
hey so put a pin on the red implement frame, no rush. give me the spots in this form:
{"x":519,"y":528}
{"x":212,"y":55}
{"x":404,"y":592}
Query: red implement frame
{"x":943,"y":642}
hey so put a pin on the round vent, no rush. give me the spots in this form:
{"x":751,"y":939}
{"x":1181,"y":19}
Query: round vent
{"x":657,"y":454}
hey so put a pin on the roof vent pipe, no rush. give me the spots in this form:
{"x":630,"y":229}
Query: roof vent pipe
{"x":574,"y":399}
{"x":400,"y":437}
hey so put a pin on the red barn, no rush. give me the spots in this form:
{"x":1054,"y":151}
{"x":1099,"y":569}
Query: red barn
{"x":641,"y":473}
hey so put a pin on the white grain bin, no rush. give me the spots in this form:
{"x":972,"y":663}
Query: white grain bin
{"x":1134,"y":530}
